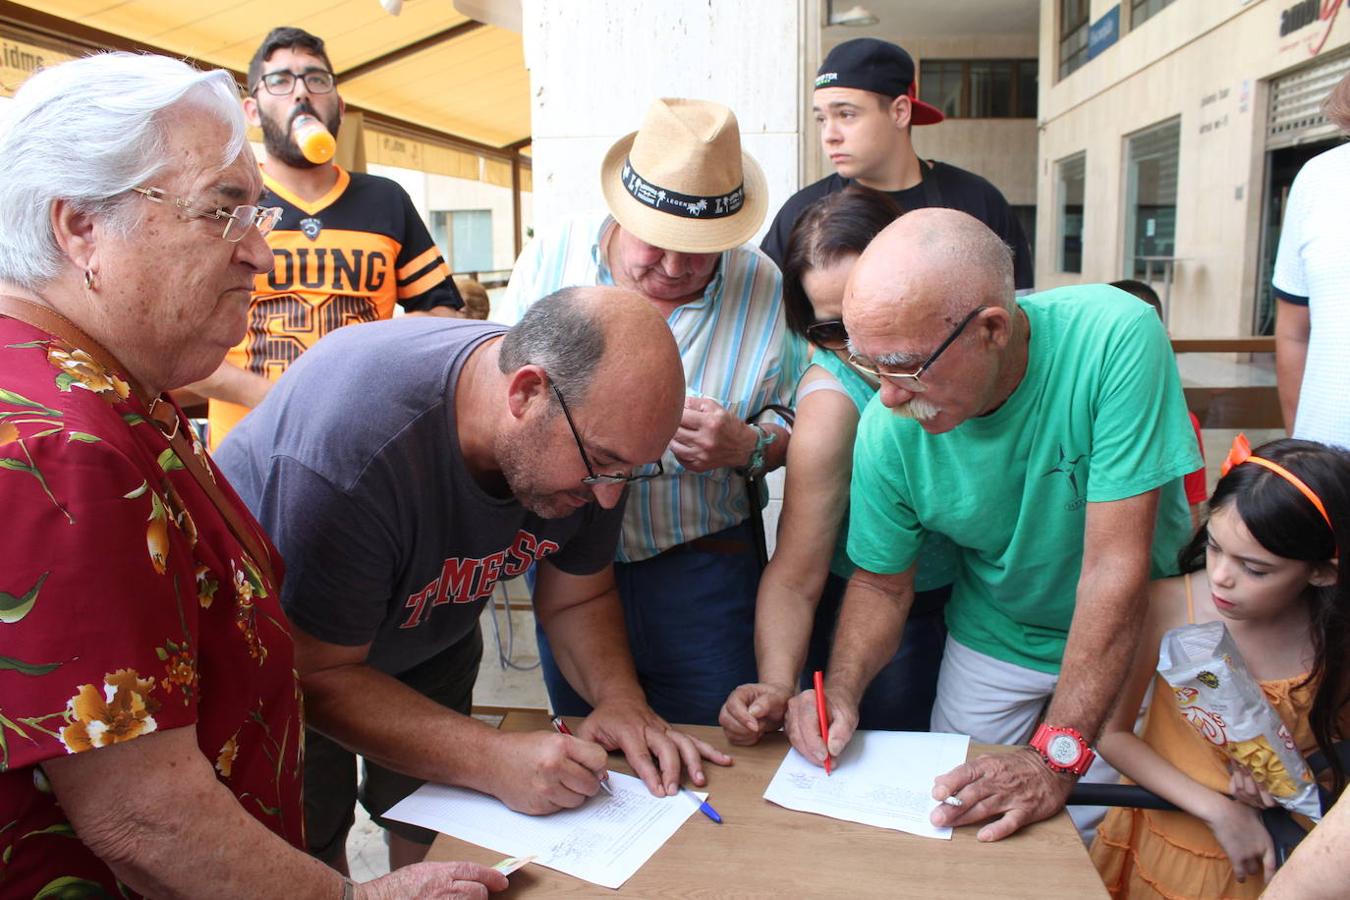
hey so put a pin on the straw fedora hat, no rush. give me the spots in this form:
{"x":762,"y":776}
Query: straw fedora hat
{"x":681,"y":182}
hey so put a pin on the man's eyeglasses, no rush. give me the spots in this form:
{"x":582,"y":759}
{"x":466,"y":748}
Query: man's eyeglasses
{"x":237,"y":222}
{"x":828,"y":335}
{"x":642,"y":473}
{"x":317,"y":81}
{"x":909,"y":381}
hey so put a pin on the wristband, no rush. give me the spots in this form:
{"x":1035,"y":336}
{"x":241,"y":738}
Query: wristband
{"x":763,"y":438}
{"x":348,"y":888}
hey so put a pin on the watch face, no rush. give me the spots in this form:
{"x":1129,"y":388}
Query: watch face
{"x":1063,"y":749}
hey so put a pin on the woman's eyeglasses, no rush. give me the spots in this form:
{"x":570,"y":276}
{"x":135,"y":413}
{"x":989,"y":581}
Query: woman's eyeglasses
{"x":237,"y":222}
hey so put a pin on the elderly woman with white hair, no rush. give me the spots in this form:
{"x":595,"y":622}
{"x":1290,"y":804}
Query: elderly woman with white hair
{"x":150,"y":723}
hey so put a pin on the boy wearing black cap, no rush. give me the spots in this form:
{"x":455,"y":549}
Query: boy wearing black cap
{"x":865,"y":101}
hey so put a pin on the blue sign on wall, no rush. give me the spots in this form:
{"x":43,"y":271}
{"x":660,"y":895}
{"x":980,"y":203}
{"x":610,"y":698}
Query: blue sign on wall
{"x":1104,"y":32}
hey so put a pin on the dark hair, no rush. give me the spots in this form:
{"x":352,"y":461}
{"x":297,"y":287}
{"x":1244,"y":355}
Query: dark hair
{"x":284,"y":38}
{"x":563,"y":334}
{"x":1142,"y":290}
{"x":833,"y":227}
{"x":1288,"y":525}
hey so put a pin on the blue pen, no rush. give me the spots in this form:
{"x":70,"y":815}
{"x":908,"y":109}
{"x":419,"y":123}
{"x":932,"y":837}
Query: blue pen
{"x":703,"y":806}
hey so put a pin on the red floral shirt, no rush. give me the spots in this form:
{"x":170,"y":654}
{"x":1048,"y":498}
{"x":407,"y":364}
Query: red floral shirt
{"x":127,"y":606}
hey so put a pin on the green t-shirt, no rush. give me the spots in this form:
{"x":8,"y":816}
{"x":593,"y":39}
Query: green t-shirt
{"x":1098,"y":416}
{"x":937,"y":557}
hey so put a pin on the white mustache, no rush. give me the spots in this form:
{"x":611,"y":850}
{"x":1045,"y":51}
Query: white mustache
{"x":918,"y":409}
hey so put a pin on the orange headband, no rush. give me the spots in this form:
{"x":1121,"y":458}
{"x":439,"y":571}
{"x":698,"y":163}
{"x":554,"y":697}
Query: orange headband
{"x":1241,"y":452}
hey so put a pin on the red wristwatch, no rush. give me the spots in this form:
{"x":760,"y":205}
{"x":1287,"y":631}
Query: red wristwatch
{"x":1063,"y":748}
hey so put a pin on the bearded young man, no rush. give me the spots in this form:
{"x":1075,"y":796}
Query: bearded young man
{"x":348,"y":246}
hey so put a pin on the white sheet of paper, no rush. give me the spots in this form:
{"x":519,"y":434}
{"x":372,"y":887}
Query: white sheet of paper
{"x":884,"y":778}
{"x":603,"y":841}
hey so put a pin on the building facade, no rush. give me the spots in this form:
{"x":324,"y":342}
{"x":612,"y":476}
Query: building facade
{"x":1170,"y":132}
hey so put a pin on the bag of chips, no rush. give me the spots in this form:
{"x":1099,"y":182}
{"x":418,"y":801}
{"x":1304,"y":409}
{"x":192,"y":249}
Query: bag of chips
{"x":1223,"y":702}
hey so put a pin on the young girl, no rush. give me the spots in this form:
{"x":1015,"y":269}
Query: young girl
{"x":1266,"y":565}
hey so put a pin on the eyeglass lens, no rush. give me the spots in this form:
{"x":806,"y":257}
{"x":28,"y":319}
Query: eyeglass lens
{"x":317,"y":81}
{"x":828,"y":335}
{"x":243,"y":218}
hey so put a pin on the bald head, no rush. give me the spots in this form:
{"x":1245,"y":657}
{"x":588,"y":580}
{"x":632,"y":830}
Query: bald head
{"x":938,"y":262}
{"x":606,"y":344}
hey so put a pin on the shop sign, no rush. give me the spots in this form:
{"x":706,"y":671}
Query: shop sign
{"x":19,"y":59}
{"x":1300,"y":15}
{"x":1104,"y":32}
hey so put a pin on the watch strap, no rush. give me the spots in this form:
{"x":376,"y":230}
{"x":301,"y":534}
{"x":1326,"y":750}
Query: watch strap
{"x":1045,"y":733}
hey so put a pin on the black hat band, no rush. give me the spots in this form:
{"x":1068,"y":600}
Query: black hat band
{"x":672,"y":202}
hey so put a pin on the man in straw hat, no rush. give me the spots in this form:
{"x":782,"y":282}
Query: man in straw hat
{"x":865,"y":102}
{"x":683,"y":199}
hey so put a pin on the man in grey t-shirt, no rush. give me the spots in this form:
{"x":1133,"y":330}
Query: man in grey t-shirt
{"x":403,"y":469}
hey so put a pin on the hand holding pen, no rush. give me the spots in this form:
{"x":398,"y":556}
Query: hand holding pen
{"x":819,"y":726}
{"x":561,"y":727}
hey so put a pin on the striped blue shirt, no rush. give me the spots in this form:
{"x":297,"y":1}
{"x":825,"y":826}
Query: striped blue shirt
{"x":736,"y":350}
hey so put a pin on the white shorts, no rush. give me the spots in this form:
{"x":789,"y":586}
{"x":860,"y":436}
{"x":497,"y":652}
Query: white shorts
{"x":997,"y":702}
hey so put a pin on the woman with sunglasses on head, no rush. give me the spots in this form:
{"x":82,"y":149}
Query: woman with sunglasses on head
{"x":1266,"y":565}
{"x":801,"y":588}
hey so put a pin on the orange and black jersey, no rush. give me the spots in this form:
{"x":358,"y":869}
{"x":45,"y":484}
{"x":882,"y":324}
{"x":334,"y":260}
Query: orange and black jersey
{"x":347,"y":257}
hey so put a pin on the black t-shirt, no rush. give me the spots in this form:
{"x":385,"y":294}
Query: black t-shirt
{"x":954,"y":189}
{"x":352,"y":464}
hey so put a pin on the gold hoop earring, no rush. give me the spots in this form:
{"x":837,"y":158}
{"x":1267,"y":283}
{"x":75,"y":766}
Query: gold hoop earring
{"x":89,"y":279}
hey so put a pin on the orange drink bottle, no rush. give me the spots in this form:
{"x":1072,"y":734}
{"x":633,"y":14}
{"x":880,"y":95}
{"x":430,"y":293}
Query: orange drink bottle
{"x":313,"y":139}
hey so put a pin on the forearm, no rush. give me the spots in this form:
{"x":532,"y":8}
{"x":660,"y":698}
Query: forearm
{"x":590,"y":645}
{"x":867,"y":635}
{"x":233,"y":385}
{"x":393,"y":725}
{"x":1102,"y":640}
{"x":1292,"y":328}
{"x":1291,"y":357}
{"x":244,"y":858}
{"x":1319,"y":868}
{"x":785,"y":611}
{"x":1144,"y":766}
{"x":159,"y":818}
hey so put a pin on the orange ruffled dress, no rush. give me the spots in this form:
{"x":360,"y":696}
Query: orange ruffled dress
{"x":1148,"y":853}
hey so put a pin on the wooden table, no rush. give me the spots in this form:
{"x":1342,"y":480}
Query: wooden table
{"x":764,"y":850}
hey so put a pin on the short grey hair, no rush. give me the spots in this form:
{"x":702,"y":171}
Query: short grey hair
{"x":563,"y":334}
{"x":88,"y":131}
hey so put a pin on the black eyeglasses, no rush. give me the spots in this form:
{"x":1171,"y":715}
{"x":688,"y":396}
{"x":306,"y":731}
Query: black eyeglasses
{"x":828,"y":335}
{"x":317,"y":81}
{"x":910,"y":380}
{"x":642,"y":473}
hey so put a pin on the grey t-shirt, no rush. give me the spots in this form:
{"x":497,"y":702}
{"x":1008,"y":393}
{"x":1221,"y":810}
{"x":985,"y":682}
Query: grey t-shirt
{"x":352,"y":464}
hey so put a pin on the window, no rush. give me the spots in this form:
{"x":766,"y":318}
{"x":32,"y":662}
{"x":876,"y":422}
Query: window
{"x":1073,"y":35}
{"x":1071,"y":178}
{"x":465,"y":238}
{"x":980,"y":88}
{"x":1151,"y":197}
{"x":1143,"y":10}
